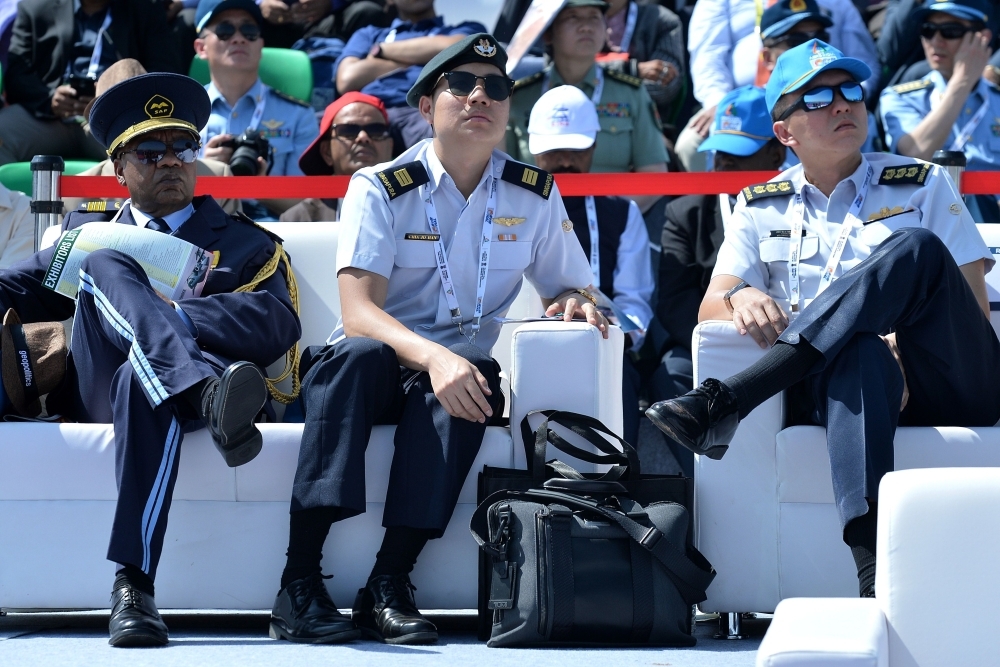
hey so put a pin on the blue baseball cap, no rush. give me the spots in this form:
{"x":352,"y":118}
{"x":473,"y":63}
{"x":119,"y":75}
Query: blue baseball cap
{"x":970,"y":10}
{"x":782,"y":16}
{"x":742,"y":124}
{"x":209,"y":8}
{"x":798,"y":66}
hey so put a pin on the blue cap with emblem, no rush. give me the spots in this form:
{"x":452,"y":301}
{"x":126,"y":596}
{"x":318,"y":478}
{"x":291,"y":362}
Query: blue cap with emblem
{"x":798,"y":66}
{"x":784,"y":15}
{"x":146,"y":103}
{"x":970,"y":10}
{"x":209,"y":8}
{"x":742,"y":123}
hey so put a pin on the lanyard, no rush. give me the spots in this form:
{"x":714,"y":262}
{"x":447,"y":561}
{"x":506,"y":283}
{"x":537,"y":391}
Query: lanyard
{"x":633,"y":16}
{"x":726,"y":209}
{"x":598,"y":87}
{"x":595,"y":249}
{"x":391,"y":37}
{"x":851,"y":221}
{"x":966,"y":134}
{"x":441,"y":257}
{"x":95,"y":57}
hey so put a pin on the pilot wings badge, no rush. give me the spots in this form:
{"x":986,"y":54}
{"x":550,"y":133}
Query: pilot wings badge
{"x":508,"y":222}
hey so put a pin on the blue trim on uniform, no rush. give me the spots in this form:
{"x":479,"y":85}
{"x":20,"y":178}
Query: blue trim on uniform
{"x":151,"y":514}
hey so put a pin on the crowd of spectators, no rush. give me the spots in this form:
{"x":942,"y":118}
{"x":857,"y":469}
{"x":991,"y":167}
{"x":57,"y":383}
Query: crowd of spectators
{"x":934,"y":86}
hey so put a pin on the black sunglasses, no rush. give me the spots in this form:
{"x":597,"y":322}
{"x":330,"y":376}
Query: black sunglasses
{"x":794,"y":39}
{"x":186,"y":150}
{"x":947,"y":30}
{"x":822,"y":97}
{"x":225,"y":31}
{"x":375,"y":131}
{"x":497,"y":86}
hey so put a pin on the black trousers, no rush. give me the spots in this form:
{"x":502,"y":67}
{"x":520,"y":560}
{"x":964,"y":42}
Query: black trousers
{"x":130,"y":357}
{"x":348,"y":388}
{"x":911,"y":285}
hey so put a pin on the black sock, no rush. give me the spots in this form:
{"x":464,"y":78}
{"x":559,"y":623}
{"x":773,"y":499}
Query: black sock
{"x":307,"y":534}
{"x":859,"y":534}
{"x":399,"y":551}
{"x":779,"y":369}
{"x":192,"y":397}
{"x":132,"y":576}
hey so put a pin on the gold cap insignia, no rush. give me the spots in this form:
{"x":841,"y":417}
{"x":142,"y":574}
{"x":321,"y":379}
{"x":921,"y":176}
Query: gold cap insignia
{"x":159,"y":106}
{"x":567,"y":225}
{"x":797,"y":5}
{"x":509,"y":222}
{"x":955,"y":209}
{"x":485,"y":49}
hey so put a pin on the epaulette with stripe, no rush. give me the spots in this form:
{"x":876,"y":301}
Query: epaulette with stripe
{"x":99,"y":206}
{"x":401,"y":178}
{"x":243,"y":217}
{"x":289,"y":98}
{"x":911,"y":86}
{"x":528,"y":177}
{"x":633,"y":81}
{"x":770,"y":189}
{"x":906,"y":174}
{"x":528,"y":80}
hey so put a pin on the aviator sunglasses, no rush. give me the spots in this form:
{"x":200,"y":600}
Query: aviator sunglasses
{"x":151,"y":152}
{"x":822,"y":97}
{"x":794,"y":39}
{"x":947,"y":30}
{"x":375,"y":131}
{"x":497,"y":87}
{"x":225,"y":31}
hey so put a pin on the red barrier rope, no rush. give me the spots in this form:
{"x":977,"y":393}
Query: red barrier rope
{"x":570,"y":185}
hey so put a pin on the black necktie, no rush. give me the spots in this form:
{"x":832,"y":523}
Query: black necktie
{"x":158,"y":225}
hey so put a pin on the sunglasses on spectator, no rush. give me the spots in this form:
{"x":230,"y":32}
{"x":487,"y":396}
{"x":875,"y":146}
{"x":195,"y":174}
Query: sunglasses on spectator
{"x":151,"y":152}
{"x":947,"y":30}
{"x":225,"y":30}
{"x":497,"y":86}
{"x":822,"y":96}
{"x":375,"y":131}
{"x":794,"y":39}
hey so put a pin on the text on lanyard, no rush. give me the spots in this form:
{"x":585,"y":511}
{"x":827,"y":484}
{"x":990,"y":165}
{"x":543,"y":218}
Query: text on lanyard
{"x":595,"y":249}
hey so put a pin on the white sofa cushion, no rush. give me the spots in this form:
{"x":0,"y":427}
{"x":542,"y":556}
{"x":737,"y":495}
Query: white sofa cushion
{"x":825,"y":632}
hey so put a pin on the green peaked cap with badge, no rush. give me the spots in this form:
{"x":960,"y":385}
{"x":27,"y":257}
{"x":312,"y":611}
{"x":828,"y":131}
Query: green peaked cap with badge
{"x":481,"y":47}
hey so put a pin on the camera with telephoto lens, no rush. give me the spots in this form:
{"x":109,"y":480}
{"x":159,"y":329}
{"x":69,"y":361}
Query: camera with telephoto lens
{"x":246,"y":149}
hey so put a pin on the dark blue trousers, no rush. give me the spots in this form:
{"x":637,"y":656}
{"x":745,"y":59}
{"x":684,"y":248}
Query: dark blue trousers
{"x":911,"y":285}
{"x":131,"y":355}
{"x":357,"y":383}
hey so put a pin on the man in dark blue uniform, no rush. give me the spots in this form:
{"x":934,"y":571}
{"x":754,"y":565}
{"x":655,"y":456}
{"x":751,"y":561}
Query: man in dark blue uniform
{"x":154,"y":368}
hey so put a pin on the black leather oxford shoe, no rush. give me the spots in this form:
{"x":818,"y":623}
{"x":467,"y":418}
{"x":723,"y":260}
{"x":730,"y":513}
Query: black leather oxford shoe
{"x":229,"y":406}
{"x":135,"y":620}
{"x":304,"y":613}
{"x":703,"y":420}
{"x":385,"y":610}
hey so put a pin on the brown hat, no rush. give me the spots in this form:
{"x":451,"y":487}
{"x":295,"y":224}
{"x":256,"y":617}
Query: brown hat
{"x":32,"y":361}
{"x":122,"y":70}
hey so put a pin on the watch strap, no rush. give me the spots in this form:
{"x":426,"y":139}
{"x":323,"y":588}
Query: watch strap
{"x":729,"y":295}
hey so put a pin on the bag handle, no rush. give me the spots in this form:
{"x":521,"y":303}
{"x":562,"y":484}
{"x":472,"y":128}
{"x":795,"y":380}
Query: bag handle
{"x":691,"y":576}
{"x":626,"y":459}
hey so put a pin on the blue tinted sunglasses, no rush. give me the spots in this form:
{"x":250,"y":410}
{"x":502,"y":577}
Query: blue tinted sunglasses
{"x":822,"y":96}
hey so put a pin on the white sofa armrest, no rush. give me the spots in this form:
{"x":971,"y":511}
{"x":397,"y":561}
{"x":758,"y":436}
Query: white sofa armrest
{"x":736,"y":499}
{"x":826,"y":632}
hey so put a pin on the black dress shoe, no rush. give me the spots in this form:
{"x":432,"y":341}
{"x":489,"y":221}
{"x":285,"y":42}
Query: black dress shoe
{"x":385,"y":610}
{"x":703,"y":420}
{"x":135,"y":620}
{"x":304,"y":613}
{"x":229,"y":406}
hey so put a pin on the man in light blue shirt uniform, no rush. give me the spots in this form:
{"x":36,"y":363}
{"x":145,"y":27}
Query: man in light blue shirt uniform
{"x":229,"y":38}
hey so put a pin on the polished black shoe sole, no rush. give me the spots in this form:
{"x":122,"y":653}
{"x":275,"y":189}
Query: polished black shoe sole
{"x":412,"y":638}
{"x":138,"y":638}
{"x":276,"y":631}
{"x":664,"y":422}
{"x":243,"y":392}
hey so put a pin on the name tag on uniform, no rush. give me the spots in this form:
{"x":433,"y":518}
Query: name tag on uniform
{"x":422,"y":237}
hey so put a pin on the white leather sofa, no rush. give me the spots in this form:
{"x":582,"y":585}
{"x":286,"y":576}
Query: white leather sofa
{"x":765,"y":514}
{"x":228,"y":528}
{"x":938,"y":538}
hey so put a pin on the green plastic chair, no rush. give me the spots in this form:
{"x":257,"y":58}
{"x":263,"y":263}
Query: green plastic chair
{"x":17,"y":175}
{"x":286,"y":70}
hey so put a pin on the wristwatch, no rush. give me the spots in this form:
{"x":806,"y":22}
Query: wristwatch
{"x":586,"y":295}
{"x":376,"y":50}
{"x":729,"y":295}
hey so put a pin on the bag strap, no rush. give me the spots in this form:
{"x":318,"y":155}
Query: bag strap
{"x":626,"y":459}
{"x":692,"y":577}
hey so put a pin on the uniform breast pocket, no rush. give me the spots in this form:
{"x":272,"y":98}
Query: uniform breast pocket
{"x":616,"y":125}
{"x":779,"y":248}
{"x":510,"y":255}
{"x":874,"y":233}
{"x":414,"y":254}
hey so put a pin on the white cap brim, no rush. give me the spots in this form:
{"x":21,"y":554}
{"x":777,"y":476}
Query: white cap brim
{"x":543,"y":143}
